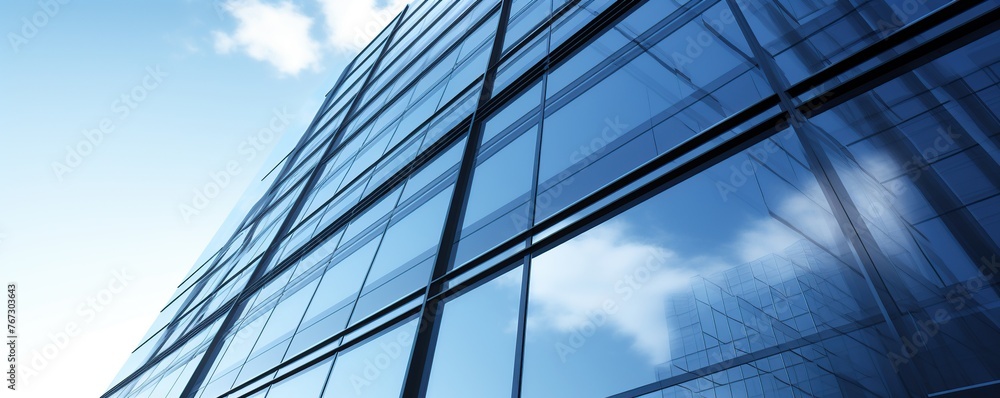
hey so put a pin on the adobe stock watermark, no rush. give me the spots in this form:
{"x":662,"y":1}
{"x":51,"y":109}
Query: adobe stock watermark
{"x":12,"y":341}
{"x":87,"y":311}
{"x":625,"y":289}
{"x":389,"y":352}
{"x":248,"y":150}
{"x":121,"y":108}
{"x":958,"y":297}
{"x":47,"y":9}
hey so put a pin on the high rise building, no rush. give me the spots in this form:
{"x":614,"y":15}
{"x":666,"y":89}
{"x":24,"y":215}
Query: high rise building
{"x":634,"y":198}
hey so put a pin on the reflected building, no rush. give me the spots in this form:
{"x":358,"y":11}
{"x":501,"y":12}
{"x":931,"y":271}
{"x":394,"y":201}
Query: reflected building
{"x":646,"y":198}
{"x":789,"y":298}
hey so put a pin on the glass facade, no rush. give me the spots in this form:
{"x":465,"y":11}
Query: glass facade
{"x":633,"y":198}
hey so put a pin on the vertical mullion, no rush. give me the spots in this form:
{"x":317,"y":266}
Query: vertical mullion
{"x":522,"y":321}
{"x":834,"y":190}
{"x":418,"y":368}
{"x":522,"y":309}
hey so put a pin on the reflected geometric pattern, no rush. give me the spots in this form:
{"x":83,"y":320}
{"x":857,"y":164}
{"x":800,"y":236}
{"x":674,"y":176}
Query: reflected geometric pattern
{"x":632,"y":198}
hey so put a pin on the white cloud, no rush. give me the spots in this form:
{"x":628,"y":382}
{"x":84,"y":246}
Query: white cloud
{"x":277,"y":34}
{"x":766,"y":236}
{"x":352,"y":24}
{"x":573,"y":281}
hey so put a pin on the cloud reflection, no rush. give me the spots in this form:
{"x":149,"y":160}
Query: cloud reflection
{"x":572,"y":283}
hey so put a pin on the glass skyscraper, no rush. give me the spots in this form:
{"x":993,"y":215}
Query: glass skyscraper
{"x":633,"y":198}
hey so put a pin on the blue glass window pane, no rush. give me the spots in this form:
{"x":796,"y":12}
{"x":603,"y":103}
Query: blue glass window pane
{"x":589,"y":123}
{"x":306,"y":384}
{"x":340,"y":284}
{"x":166,"y":383}
{"x":435,"y":75}
{"x":805,"y":37}
{"x":483,"y":35}
{"x":498,"y":202}
{"x":466,"y":72}
{"x":519,"y":63}
{"x":413,"y":237}
{"x":592,"y":172}
{"x":502,"y":178}
{"x":373,"y":215}
{"x":451,"y":116}
{"x":434,"y":170}
{"x":410,"y":247}
{"x":326,"y":189}
{"x":181,"y":379}
{"x":369,"y":154}
{"x":577,"y":16}
{"x":661,"y":291}
{"x":355,"y":373}
{"x":274,"y":339}
{"x":336,"y":209}
{"x":239,"y":345}
{"x":476,"y":343}
{"x":917,"y":166}
{"x":577,"y":66}
{"x":526,"y":103}
{"x":523,"y":22}
{"x":646,"y":16}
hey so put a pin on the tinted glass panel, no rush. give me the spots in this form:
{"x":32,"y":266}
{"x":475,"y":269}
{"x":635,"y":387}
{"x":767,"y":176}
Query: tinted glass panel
{"x":660,"y":291}
{"x":476,"y":343}
{"x":374,"y":368}
{"x":498,"y":205}
{"x":306,"y":384}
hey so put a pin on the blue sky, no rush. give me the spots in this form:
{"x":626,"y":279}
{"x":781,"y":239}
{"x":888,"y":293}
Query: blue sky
{"x":115,"y":115}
